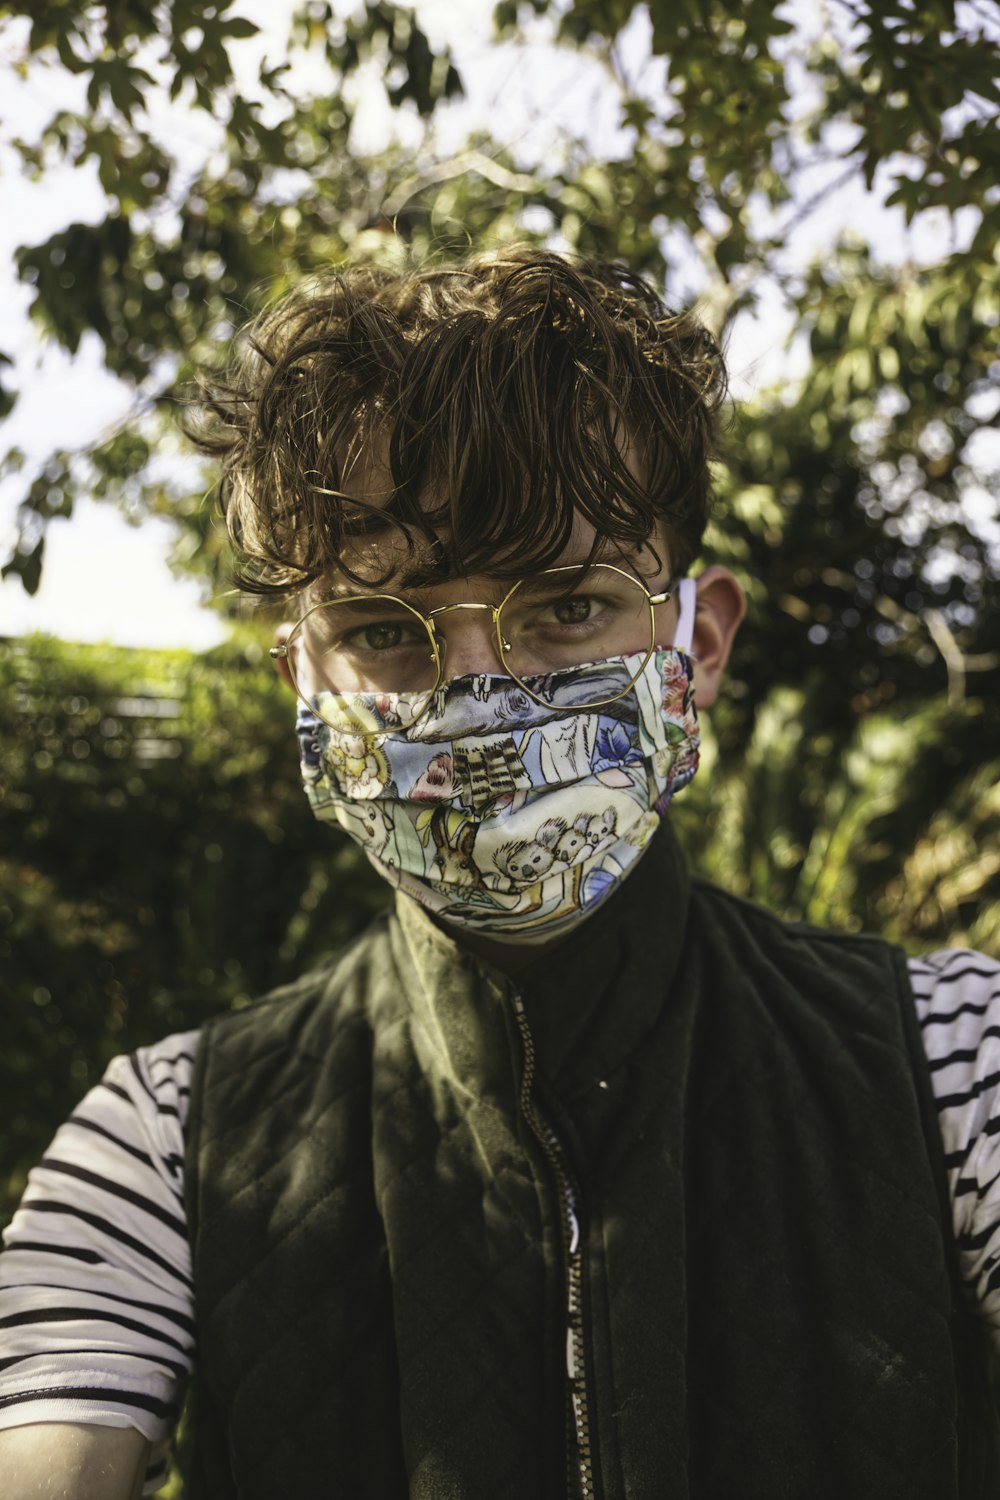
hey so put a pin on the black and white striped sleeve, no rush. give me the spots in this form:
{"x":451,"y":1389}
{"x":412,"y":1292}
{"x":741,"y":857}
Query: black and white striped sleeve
{"x":96,"y":1314}
{"x":957,"y":994}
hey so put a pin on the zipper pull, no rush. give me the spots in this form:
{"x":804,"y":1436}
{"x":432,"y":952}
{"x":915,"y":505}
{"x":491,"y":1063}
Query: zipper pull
{"x":574,"y":1228}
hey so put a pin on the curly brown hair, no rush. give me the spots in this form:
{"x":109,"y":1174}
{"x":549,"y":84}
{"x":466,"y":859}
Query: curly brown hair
{"x":494,"y":400}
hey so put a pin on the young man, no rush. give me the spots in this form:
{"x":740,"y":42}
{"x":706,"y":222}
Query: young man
{"x":572,"y":1176}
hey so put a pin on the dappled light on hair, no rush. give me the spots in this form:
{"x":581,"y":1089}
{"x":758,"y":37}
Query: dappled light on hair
{"x":490,"y":404}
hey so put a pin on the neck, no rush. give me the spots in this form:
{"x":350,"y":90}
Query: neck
{"x":510,"y":958}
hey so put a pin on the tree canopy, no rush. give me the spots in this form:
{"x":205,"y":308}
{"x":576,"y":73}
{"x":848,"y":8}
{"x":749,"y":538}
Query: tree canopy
{"x":735,"y":121}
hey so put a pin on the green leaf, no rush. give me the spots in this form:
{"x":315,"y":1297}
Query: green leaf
{"x":239,"y":28}
{"x":67,"y":56}
{"x":27,"y":566}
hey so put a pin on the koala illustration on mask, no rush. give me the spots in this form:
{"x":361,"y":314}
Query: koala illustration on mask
{"x":572,"y":842}
{"x":599,"y":828}
{"x":525,"y":861}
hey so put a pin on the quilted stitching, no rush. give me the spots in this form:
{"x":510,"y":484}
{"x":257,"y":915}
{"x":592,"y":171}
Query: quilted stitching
{"x":433,"y":1167}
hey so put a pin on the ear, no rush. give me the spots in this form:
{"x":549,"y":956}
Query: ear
{"x":281,"y":635}
{"x":437,"y":831}
{"x":467,"y":841}
{"x":720,"y":606}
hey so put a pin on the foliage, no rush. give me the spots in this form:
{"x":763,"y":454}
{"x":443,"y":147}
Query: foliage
{"x":183,"y":247}
{"x":731,"y":114}
{"x":160,"y":862}
{"x":834,"y":851}
{"x":844,"y":502}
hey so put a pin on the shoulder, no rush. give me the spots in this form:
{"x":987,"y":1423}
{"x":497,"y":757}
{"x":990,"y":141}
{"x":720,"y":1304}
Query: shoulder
{"x":321,"y":1022}
{"x":952,"y":985}
{"x":846,"y":989}
{"x":751,"y":928}
{"x":336,"y":988}
{"x":283,"y":1080}
{"x":95,"y":1281}
{"x":156,"y":1078}
{"x":956,"y":993}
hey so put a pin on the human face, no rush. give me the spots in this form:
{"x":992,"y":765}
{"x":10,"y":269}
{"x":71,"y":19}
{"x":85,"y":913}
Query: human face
{"x":550,"y":619}
{"x":465,"y":624}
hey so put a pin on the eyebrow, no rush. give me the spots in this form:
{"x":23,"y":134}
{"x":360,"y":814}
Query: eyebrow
{"x":417,"y":593}
{"x":359,"y":603}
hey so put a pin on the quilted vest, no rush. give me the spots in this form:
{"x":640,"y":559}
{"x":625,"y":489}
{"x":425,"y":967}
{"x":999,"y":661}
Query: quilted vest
{"x":766,"y":1295}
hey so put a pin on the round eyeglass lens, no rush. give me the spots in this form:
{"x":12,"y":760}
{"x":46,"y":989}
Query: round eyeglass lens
{"x":562,"y":618}
{"x":362,"y":645}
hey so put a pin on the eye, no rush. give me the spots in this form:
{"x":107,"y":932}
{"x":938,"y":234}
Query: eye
{"x":363,"y":628}
{"x":573,"y":611}
{"x":381,"y":636}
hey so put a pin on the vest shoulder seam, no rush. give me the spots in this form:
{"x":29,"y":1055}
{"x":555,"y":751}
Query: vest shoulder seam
{"x":761,"y":915}
{"x":308,"y":987}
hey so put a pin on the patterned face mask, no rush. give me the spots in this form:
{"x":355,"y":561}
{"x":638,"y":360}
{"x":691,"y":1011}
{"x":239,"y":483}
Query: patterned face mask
{"x":503,"y":815}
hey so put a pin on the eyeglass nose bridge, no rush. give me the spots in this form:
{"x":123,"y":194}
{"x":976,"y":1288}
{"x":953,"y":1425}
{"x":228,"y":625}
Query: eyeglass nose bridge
{"x":443,"y":609}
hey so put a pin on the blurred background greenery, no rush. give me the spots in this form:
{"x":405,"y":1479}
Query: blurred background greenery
{"x":157,"y":857}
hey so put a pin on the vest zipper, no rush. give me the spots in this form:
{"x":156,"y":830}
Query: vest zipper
{"x":581,"y":1446}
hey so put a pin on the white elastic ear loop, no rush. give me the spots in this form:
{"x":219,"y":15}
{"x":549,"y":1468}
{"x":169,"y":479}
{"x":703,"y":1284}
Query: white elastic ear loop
{"x":686,"y":594}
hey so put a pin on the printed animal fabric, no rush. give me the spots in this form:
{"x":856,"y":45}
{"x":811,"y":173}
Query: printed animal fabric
{"x":502,"y":813}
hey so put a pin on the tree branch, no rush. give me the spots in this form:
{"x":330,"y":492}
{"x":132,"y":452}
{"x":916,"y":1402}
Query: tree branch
{"x":456,"y":166}
{"x":957,"y":663}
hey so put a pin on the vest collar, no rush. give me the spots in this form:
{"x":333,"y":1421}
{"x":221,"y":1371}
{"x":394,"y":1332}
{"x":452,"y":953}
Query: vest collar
{"x":590,"y":1001}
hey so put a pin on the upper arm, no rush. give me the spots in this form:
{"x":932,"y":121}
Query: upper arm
{"x":72,"y":1461}
{"x":96,"y":1318}
{"x":958,"y":1006}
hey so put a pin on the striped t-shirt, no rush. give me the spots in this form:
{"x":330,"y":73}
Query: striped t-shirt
{"x":96,"y":1318}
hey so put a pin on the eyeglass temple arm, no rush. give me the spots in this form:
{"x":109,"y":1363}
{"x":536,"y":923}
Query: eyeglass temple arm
{"x":685,"y":591}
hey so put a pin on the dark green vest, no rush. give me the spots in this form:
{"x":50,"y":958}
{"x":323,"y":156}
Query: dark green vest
{"x":770,"y":1298}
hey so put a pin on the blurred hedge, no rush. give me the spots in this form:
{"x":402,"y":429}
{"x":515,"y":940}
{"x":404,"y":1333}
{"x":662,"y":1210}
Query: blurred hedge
{"x":853,"y":818}
{"x":159,"y":863}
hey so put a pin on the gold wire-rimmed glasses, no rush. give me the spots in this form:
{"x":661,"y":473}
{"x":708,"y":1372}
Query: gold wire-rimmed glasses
{"x":376,"y":644}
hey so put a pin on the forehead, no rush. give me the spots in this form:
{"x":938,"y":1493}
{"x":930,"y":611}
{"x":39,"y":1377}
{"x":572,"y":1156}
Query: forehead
{"x":384,"y":563}
{"x":397,"y":559}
